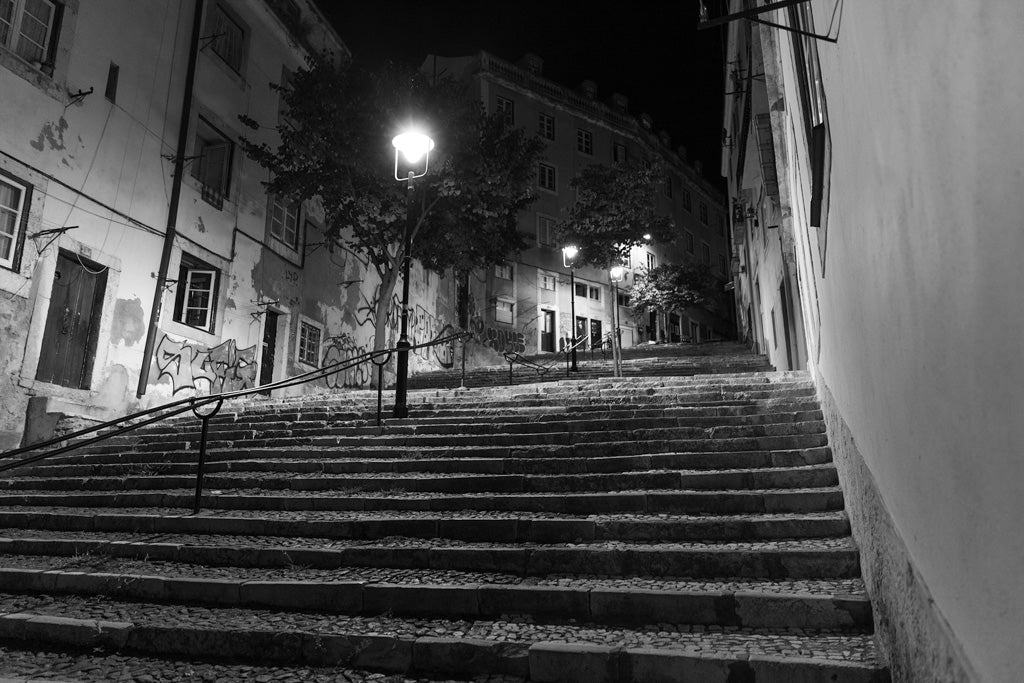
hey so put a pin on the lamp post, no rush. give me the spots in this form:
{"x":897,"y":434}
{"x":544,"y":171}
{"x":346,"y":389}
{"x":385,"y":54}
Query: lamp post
{"x":617,"y":275}
{"x":569,"y":252}
{"x":413,"y":146}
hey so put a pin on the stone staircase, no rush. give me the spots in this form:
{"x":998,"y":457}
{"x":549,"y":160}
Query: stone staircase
{"x":623,"y":530}
{"x":655,"y":360}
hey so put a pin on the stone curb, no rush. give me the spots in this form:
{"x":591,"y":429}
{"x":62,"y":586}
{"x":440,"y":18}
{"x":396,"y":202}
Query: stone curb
{"x":602,"y":605}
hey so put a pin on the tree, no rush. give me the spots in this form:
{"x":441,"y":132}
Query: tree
{"x":674,"y":287}
{"x":335,"y":134}
{"x":615,"y":209}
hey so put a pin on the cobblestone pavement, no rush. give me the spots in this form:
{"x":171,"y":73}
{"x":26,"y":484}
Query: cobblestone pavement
{"x":19,"y":665}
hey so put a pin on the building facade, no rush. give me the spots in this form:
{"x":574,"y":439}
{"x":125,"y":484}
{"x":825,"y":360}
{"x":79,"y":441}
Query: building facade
{"x":874,"y":167}
{"x":528,"y":301}
{"x":122,"y":185}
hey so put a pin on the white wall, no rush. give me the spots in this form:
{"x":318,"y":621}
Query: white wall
{"x":922,"y":305}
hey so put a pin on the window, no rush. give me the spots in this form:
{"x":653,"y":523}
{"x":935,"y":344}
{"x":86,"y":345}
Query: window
{"x":705,"y":253}
{"x":723,"y":264}
{"x":585,"y":291}
{"x":721,"y":224}
{"x":545,"y":230}
{"x":667,"y":188}
{"x":546,"y":126}
{"x":212,"y":163}
{"x":29,"y":29}
{"x":309,"y":343}
{"x":503,"y":271}
{"x":703,"y":213}
{"x":196,"y":301}
{"x":226,"y":36}
{"x":284,"y":221}
{"x":622,"y":299}
{"x":688,"y":240}
{"x":14,"y":203}
{"x":584,"y":141}
{"x":546,"y":177}
{"x":503,"y":311}
{"x":548,"y":282}
{"x":687,"y":200}
{"x":619,"y":153}
{"x":507,"y":108}
{"x":652,"y":261}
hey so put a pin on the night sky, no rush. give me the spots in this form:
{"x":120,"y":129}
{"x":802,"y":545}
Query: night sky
{"x":649,"y":50}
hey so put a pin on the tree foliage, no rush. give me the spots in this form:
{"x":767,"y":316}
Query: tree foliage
{"x":334,"y":146}
{"x":674,"y":287}
{"x":615,"y":207}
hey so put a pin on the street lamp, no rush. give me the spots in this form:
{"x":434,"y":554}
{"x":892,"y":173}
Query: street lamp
{"x":569,"y":253}
{"x":617,"y":275}
{"x":413,"y":145}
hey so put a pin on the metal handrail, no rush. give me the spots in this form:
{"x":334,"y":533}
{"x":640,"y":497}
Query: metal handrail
{"x":194,"y":403}
{"x":542,"y":369}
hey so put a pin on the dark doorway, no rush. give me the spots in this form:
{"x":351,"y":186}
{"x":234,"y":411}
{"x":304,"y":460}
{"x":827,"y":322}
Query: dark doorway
{"x":595,"y":334}
{"x":72,"y":322}
{"x":547,"y":332}
{"x":581,"y":328}
{"x":784,"y":298}
{"x":268,"y":349}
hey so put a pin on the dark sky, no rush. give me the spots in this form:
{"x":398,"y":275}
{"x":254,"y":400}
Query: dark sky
{"x":649,"y":50}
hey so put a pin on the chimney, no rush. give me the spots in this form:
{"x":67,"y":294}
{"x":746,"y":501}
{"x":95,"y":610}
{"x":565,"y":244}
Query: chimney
{"x":646,"y":121}
{"x":698,"y":167}
{"x":588,"y":88}
{"x":532,"y":63}
{"x":681,"y":151}
{"x":620,"y":102}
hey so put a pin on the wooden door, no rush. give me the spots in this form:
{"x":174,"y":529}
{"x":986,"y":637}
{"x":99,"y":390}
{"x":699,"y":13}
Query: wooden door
{"x":72,"y":322}
{"x":595,"y":334}
{"x":547,"y":333}
{"x":269,"y":349}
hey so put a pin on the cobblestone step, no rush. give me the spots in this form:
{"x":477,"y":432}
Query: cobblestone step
{"x":448,"y":595}
{"x":22,"y":662}
{"x":828,"y":558}
{"x":795,"y":477}
{"x":487,"y":526}
{"x":668,"y":502}
{"x":309,"y":461}
{"x":542,"y":652}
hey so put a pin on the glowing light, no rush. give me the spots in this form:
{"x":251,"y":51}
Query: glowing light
{"x":413,"y":145}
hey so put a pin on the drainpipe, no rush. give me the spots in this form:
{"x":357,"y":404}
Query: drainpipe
{"x":172,"y":211}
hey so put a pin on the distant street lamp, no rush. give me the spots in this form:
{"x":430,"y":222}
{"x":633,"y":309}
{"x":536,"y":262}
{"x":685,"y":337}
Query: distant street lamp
{"x":569,"y":253}
{"x":617,"y":275}
{"x":413,"y":146}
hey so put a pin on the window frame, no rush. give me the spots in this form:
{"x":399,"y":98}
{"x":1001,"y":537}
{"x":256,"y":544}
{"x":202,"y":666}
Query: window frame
{"x":189,"y":266}
{"x":687,"y":200}
{"x":667,"y":186}
{"x":546,"y":126}
{"x":705,"y":253}
{"x":12,"y":42}
{"x":272,"y":205}
{"x":543,"y":171}
{"x":301,"y":347}
{"x":585,"y":141}
{"x":547,"y":278}
{"x":215,"y":40}
{"x":213,"y":196}
{"x":618,"y":158}
{"x":688,"y":242}
{"x":652,"y":260}
{"x":500,"y":270}
{"x":703,"y":213}
{"x":499,"y":304}
{"x":20,"y":224}
{"x":545,"y":230}
{"x":507,"y":108}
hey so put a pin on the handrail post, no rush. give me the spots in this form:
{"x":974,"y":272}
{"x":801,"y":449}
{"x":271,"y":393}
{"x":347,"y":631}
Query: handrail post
{"x":205,"y":417}
{"x":510,"y":373}
{"x":462,"y":383}
{"x":380,"y":391}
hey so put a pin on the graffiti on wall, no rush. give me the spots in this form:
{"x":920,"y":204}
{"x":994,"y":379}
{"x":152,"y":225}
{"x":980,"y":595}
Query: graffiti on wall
{"x":191,"y":365}
{"x":339,"y":348}
{"x":500,"y":339}
{"x":424,"y":326}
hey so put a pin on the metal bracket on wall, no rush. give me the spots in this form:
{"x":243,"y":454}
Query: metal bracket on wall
{"x":753,"y":13}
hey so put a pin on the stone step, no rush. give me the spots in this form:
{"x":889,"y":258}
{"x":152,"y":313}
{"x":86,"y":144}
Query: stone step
{"x":593,"y":653}
{"x":651,"y":502}
{"x":309,"y":461}
{"x":506,"y":527}
{"x":25,"y":662}
{"x":772,"y":478}
{"x":819,"y":558}
{"x":447,"y":595}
